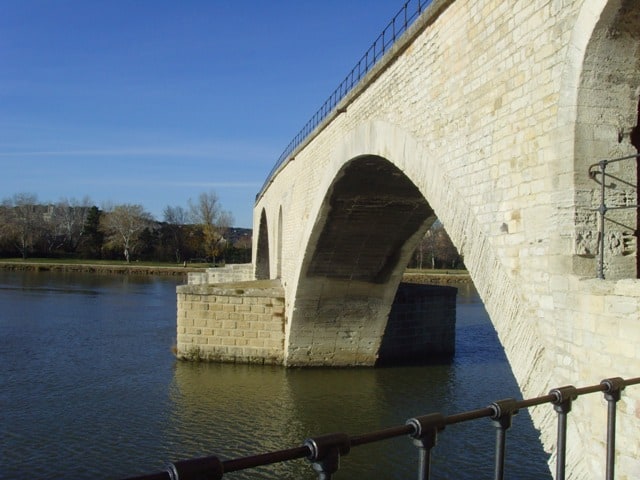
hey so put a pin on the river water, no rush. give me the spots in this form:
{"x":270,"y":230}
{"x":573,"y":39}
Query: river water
{"x":90,"y":389}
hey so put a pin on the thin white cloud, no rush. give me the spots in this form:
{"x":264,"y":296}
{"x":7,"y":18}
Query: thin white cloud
{"x":214,"y":184}
{"x":84,"y":153}
{"x":195,"y":151}
{"x":119,"y":182}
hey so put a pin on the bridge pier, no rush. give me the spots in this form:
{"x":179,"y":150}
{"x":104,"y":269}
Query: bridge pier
{"x":239,"y":322}
{"x":244,"y":322}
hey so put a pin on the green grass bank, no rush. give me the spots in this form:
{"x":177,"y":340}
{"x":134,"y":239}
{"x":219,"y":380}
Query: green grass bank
{"x":436,"y":277}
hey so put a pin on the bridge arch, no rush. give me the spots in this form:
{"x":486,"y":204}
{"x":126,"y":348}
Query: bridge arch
{"x":366,"y":229}
{"x":369,"y":143}
{"x":599,"y":107}
{"x":376,"y":144}
{"x":262,"y":249}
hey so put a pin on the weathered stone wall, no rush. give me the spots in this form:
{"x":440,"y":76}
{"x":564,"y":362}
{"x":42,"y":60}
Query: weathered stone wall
{"x":494,"y":109}
{"x":239,"y":272}
{"x":235,"y":322}
{"x":595,"y":335}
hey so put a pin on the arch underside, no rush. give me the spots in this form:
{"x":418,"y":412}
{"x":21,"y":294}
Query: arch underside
{"x":262,"y":253}
{"x":372,"y":209}
{"x":368,"y":227}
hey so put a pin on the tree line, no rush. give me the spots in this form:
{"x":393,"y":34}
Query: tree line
{"x":78,"y":229}
{"x":200,"y":232}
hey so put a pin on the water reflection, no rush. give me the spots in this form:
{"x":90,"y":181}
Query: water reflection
{"x":90,"y":390}
{"x":239,"y":410}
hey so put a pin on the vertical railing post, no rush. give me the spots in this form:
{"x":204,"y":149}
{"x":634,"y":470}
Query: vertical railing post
{"x":602,"y":210}
{"x":564,"y":396}
{"x":425,"y":435}
{"x":503,"y":411}
{"x":612,"y":393}
{"x":325,"y":453}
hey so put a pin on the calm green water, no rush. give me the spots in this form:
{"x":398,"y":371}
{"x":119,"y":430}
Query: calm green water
{"x":90,"y":389}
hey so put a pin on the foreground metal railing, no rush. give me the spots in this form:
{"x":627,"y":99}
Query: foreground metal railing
{"x":324,"y":452}
{"x":402,"y":20}
{"x":604,"y":208}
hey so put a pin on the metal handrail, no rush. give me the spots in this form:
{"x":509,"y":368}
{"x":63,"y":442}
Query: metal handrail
{"x":603,"y":208}
{"x":324,"y":452}
{"x":401,"y":21}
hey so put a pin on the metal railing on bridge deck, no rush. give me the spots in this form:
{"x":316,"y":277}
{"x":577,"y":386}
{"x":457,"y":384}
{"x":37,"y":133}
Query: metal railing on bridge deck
{"x":402,"y":20}
{"x":604,"y":208}
{"x":324,"y":452}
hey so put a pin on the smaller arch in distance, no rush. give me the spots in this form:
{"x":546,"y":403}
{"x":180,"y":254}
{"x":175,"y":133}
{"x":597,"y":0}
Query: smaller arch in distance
{"x":262,"y":252}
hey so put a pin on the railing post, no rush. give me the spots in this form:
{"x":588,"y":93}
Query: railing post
{"x":503,"y":411}
{"x":562,"y":404}
{"x":602,"y":210}
{"x":209,"y":468}
{"x":325,"y":453}
{"x":425,"y":435}
{"x":612,"y":393}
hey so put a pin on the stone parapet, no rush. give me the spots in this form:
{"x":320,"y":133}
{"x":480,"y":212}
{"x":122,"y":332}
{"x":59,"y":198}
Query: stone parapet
{"x":594,"y":334}
{"x":242,"y":272}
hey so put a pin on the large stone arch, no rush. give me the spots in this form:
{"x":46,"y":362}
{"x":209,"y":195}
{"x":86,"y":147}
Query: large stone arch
{"x":377,"y":139}
{"x":367,"y":227}
{"x":607,"y":37}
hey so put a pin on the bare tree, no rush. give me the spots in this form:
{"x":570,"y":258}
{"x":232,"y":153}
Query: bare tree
{"x":436,"y":248}
{"x":24,"y":219}
{"x":447,"y":252}
{"x":72,"y":215}
{"x":427,"y":247}
{"x":53,"y":233}
{"x":207,"y":213}
{"x":176,"y":218}
{"x":419,"y":252}
{"x":123,"y":225}
{"x":175,"y":215}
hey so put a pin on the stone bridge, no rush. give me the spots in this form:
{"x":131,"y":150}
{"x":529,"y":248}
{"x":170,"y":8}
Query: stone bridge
{"x":486,"y":115}
{"x":492,"y":116}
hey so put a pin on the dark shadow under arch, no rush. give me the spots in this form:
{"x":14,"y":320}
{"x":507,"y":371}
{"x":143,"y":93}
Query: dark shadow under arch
{"x":373,"y":208}
{"x":262,"y":253}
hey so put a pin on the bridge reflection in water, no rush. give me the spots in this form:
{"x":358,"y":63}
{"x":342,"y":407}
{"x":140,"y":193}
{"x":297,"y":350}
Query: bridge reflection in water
{"x":325,"y":452}
{"x":239,"y":410}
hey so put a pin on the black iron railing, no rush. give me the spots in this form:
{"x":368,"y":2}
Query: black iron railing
{"x":600,"y":169}
{"x":405,"y":17}
{"x":324,"y":452}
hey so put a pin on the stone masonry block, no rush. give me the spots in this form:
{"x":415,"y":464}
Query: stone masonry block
{"x":229,"y":324}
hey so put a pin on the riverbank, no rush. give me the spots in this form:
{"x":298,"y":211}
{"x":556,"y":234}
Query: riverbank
{"x":432,"y":277}
{"x":438,"y":277}
{"x":115,"y":269}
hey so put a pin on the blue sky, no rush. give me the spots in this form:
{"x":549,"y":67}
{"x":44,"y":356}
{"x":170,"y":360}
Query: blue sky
{"x":153,"y":102}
